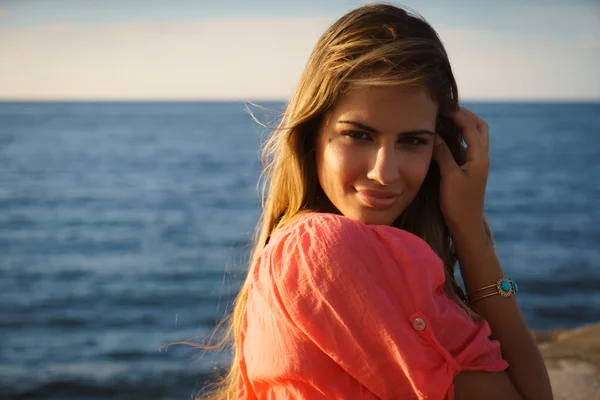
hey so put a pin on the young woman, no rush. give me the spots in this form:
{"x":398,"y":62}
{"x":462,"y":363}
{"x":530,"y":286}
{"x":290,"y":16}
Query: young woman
{"x":371,"y":199}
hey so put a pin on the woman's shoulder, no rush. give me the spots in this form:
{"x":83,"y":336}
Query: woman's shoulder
{"x":339,"y":234}
{"x":331,"y":252}
{"x":324,"y":227}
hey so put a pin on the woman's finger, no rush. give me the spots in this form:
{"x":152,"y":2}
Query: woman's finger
{"x":482,"y":128}
{"x":468,"y":124}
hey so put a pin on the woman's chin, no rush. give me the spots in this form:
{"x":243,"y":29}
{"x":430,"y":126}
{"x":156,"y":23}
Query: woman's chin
{"x":373,"y":217}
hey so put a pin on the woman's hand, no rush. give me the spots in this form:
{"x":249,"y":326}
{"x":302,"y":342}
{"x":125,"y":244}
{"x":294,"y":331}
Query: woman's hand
{"x":462,"y":189}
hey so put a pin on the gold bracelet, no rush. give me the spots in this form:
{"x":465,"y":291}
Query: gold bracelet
{"x":505,"y":288}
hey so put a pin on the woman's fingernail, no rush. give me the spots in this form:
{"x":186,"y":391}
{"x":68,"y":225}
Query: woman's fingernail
{"x":438,"y":140}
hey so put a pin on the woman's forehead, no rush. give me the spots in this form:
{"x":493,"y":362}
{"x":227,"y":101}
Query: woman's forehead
{"x":385,"y":104}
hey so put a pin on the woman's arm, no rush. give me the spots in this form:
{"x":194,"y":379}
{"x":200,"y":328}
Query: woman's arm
{"x":462,"y":192}
{"x":480,"y":267}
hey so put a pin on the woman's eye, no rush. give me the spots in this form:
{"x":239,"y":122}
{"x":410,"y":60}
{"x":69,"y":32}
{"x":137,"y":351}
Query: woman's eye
{"x":357,"y":135}
{"x":414,"y":141}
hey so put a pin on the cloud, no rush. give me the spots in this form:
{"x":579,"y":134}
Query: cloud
{"x":489,"y":65}
{"x":241,"y":58}
{"x":228,"y":58}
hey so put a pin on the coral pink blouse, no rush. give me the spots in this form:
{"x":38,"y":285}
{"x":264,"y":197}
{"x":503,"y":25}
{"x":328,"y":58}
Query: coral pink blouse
{"x":338,"y":309}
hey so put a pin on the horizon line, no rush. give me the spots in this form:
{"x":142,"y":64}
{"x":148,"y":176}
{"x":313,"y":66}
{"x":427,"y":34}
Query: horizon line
{"x":281,"y":100}
{"x":265,"y":99}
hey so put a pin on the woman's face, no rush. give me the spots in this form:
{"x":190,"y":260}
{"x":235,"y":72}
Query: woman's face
{"x":373,"y":151}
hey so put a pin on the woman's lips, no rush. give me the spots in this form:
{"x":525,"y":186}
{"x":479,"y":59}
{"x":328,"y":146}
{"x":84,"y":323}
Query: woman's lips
{"x":377,"y":199}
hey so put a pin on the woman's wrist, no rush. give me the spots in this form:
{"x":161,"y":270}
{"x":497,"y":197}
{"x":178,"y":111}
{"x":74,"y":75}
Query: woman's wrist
{"x":478,"y":262}
{"x":468,"y":235}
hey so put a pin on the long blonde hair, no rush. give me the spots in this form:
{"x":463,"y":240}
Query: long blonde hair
{"x":377,"y":44}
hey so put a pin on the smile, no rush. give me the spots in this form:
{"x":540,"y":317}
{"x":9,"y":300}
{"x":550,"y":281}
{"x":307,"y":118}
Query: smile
{"x":378,"y":199}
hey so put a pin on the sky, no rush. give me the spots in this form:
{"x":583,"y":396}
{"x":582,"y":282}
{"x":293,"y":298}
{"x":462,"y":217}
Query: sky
{"x":256,"y":50}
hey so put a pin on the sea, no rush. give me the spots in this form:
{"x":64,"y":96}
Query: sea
{"x":126,"y":226}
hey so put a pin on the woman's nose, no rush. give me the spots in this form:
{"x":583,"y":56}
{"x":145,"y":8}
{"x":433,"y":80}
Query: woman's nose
{"x":385,"y":167}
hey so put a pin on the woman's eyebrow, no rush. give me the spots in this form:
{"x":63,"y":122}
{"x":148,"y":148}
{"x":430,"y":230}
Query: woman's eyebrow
{"x":367,"y":128}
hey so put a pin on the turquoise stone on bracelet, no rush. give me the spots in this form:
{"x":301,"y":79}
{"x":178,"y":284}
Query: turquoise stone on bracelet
{"x":505,"y":287}
{"x":516,"y":287}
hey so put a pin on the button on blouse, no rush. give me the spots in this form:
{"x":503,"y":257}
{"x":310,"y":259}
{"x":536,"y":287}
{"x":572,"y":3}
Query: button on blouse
{"x":419,"y":324}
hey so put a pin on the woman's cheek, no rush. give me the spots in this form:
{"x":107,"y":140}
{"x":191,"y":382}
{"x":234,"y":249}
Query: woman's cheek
{"x":343,"y":161}
{"x":416,"y":167}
